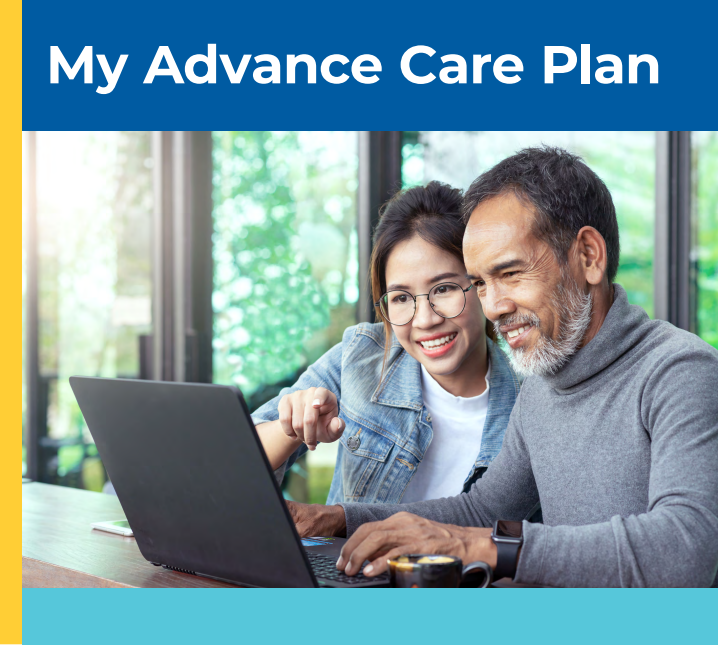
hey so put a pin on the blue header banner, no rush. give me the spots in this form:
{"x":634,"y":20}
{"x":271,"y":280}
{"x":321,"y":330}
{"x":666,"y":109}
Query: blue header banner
{"x":372,"y":65}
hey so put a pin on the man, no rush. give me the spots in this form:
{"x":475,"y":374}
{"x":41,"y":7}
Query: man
{"x":615,"y":431}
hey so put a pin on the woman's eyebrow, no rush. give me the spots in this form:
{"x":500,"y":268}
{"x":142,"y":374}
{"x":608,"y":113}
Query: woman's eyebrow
{"x":436,"y":278}
{"x":444,"y":276}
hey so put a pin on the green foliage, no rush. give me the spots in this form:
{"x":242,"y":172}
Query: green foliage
{"x":320,"y":481}
{"x":286,"y":261}
{"x":630,"y":176}
{"x":94,"y":210}
{"x":705,"y":172}
{"x":266,"y":301}
{"x":625,"y":161}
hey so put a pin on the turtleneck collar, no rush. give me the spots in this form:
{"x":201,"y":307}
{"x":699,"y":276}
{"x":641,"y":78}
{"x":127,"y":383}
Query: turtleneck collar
{"x":623,"y":328}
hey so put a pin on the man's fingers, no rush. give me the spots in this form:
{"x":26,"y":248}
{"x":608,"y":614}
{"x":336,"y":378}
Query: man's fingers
{"x":378,"y":543}
{"x":373,"y":538}
{"x":306,"y":517}
{"x":303,"y":529}
{"x":298,"y":516}
{"x":364,"y":531}
{"x":292,"y":509}
{"x":381,"y":564}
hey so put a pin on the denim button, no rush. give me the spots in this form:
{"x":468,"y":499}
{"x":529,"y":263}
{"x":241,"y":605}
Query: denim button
{"x":428,"y":417}
{"x":353,"y":443}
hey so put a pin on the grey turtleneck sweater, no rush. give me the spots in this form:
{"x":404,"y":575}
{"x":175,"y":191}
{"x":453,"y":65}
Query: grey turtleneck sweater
{"x":621,"y":448}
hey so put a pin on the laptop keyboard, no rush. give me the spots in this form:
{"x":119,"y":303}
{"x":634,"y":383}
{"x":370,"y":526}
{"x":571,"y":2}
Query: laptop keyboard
{"x":326,"y":567}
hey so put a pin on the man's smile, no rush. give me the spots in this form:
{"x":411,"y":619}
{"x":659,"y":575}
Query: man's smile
{"x":516,"y":335}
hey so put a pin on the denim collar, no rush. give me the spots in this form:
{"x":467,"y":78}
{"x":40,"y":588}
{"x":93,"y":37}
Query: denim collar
{"x":401,"y":385}
{"x":504,"y":388}
{"x":401,"y":388}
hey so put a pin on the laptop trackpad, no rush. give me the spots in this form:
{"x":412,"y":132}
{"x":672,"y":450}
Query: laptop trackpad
{"x":330,"y":546}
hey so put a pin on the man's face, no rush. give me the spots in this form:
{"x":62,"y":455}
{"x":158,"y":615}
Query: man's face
{"x":536,"y":305}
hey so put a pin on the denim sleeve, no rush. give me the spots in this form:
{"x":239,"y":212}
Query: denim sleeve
{"x":326,"y":373}
{"x":507,"y":491}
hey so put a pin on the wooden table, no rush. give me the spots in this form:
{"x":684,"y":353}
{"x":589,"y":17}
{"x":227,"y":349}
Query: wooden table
{"x":60,"y":549}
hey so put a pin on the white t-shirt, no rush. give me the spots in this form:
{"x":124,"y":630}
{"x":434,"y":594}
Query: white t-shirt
{"x":458,"y":424}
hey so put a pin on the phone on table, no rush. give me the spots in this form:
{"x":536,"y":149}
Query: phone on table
{"x":121,"y":527}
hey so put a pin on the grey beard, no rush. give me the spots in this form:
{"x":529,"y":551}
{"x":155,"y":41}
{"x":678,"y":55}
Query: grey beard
{"x":550,"y":355}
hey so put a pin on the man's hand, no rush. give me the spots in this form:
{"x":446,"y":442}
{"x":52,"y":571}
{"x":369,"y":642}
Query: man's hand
{"x":317,"y":520}
{"x":405,"y":533}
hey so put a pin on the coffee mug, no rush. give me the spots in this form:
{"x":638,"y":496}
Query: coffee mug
{"x":419,"y":570}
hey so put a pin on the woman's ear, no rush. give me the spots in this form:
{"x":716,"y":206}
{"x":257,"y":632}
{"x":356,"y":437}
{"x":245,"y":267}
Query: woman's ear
{"x":592,"y":254}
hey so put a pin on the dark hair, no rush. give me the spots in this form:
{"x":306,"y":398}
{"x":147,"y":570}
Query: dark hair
{"x":433,"y":212}
{"x":565,"y":193}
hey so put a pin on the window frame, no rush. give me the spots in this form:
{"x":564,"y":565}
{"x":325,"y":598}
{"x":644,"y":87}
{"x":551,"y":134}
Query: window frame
{"x":181,"y":346}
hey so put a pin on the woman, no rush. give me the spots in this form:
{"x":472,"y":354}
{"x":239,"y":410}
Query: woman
{"x":419,"y":403}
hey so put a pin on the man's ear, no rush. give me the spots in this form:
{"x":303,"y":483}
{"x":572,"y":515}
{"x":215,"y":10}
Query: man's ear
{"x":592,"y":254}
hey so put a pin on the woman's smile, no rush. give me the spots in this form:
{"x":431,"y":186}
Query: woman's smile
{"x":439,"y":344}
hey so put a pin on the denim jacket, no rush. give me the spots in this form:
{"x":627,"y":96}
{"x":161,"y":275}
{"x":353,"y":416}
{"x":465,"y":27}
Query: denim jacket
{"x":388,"y":429}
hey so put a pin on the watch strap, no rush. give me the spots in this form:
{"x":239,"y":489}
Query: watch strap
{"x":507,"y":550}
{"x":507,"y":557}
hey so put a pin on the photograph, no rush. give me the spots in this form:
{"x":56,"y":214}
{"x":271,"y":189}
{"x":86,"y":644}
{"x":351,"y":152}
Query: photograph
{"x":370,"y":359}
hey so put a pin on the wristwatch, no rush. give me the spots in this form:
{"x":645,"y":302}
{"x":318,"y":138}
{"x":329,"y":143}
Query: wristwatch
{"x":508,"y":537}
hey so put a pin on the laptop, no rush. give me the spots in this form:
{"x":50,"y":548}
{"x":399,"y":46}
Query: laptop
{"x":197,"y":488}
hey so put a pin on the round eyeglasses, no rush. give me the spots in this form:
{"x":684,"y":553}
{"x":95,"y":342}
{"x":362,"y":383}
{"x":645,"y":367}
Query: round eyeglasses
{"x":446,"y":299}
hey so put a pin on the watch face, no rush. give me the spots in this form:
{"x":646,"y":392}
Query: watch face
{"x":505,"y":528}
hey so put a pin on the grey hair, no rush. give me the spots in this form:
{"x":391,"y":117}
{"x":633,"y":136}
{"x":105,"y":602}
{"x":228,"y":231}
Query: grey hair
{"x":549,"y":355}
{"x":564,"y":193}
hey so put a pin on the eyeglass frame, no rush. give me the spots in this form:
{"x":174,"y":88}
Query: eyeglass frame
{"x":419,"y":295}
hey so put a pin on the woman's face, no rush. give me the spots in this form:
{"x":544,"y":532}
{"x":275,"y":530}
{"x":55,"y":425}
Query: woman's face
{"x":416,"y":266}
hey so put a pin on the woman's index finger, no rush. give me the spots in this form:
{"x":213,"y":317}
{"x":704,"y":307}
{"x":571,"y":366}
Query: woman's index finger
{"x":321,"y":397}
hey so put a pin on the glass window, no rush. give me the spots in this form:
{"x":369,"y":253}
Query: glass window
{"x":285,"y":264}
{"x":705,"y":227}
{"x":624,"y":160}
{"x":94,"y":212}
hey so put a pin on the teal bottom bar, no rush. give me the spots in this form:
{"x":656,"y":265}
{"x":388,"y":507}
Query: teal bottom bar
{"x":369,"y":617}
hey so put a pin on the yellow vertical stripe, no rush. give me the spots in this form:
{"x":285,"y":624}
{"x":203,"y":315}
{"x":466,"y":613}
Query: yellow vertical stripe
{"x":11,"y":323}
